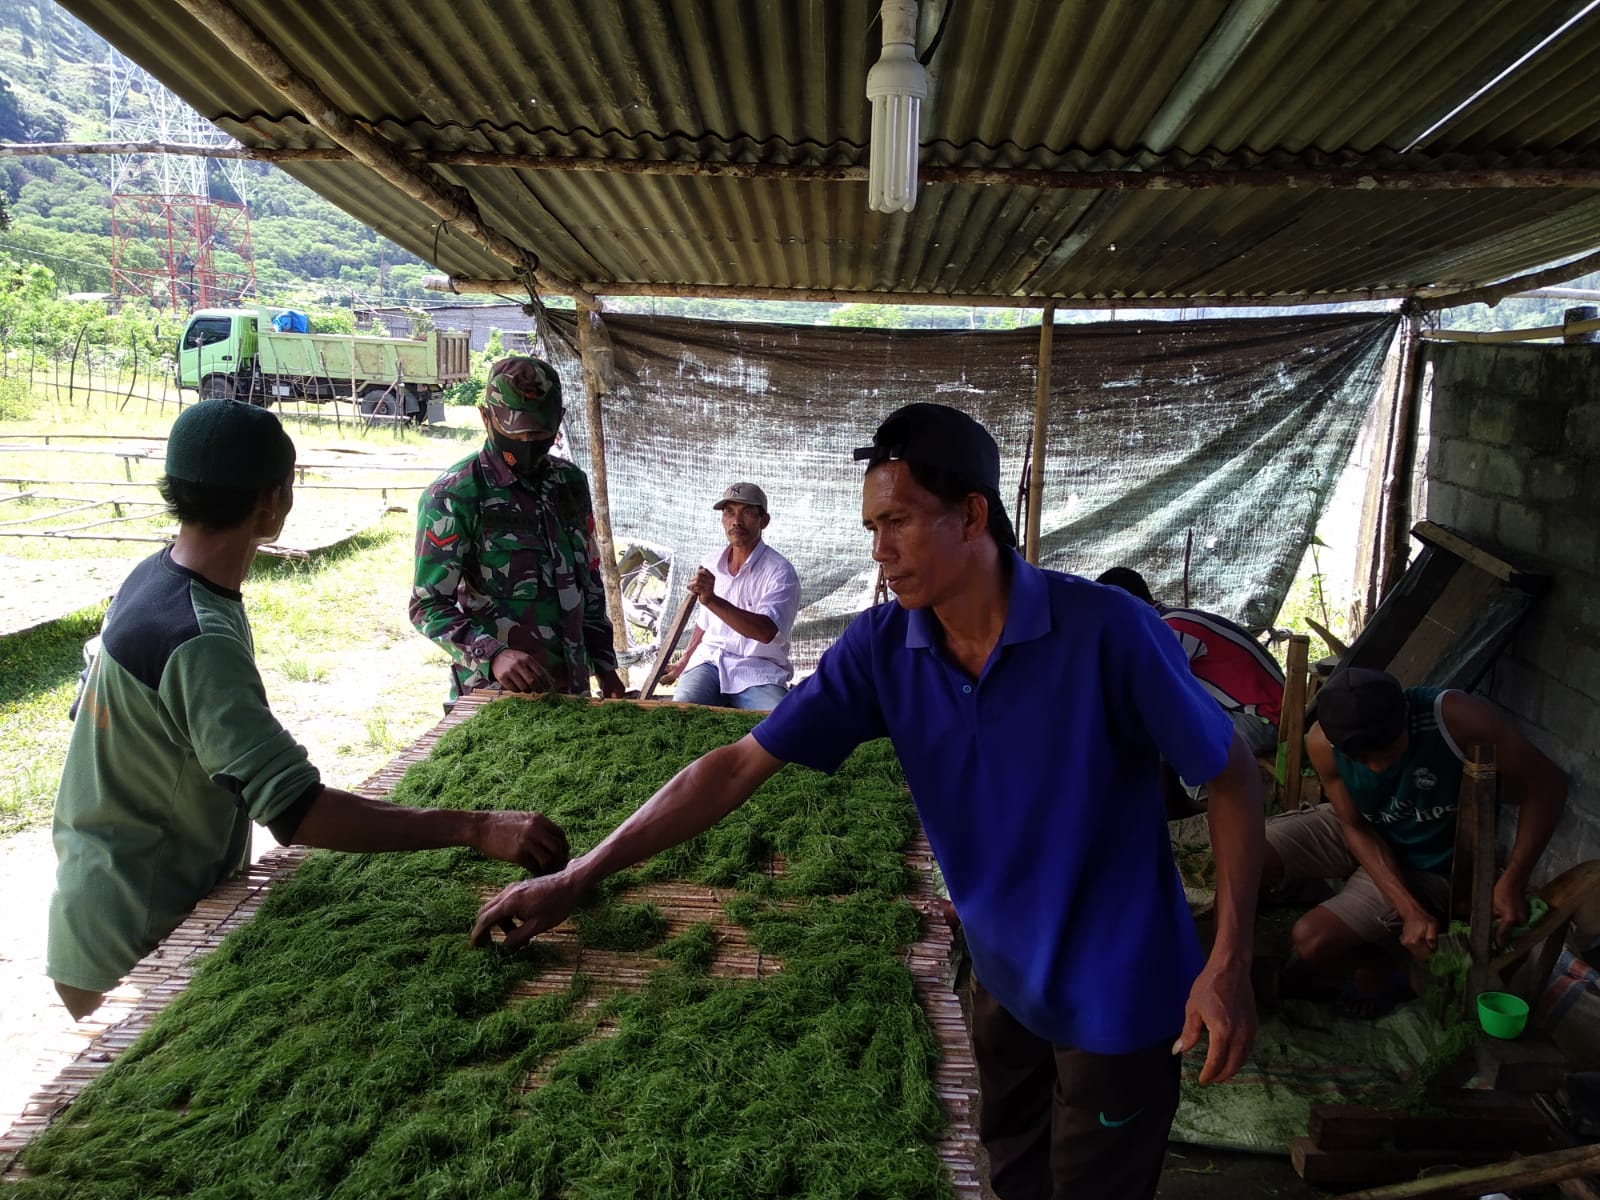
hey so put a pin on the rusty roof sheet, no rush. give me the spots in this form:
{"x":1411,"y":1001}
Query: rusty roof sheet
{"x":1238,"y":86}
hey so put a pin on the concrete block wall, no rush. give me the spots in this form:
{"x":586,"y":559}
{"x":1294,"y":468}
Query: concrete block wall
{"x":1514,"y":464}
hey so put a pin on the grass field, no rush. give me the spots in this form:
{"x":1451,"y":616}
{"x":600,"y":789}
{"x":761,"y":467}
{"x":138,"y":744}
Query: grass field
{"x":343,"y":668}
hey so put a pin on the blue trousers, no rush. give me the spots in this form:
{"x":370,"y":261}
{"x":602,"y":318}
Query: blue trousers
{"x":700,"y":685}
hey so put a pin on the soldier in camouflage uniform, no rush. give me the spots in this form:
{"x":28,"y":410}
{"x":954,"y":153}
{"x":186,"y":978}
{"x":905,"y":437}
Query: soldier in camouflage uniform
{"x":508,"y":573}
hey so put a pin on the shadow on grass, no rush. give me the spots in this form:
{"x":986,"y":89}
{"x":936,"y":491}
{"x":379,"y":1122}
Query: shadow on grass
{"x":465,"y":434}
{"x":46,"y":656}
{"x":268,"y":566}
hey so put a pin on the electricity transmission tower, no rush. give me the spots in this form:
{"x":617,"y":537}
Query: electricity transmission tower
{"x":171,"y":243}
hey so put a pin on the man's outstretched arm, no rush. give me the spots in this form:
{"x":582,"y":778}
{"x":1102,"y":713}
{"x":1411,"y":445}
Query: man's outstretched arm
{"x":338,"y":820}
{"x":691,"y":802}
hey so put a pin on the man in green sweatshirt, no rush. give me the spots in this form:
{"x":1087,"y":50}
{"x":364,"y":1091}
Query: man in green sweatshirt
{"x":174,"y":751}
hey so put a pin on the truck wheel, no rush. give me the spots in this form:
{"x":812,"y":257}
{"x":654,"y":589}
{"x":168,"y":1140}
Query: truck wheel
{"x":380,"y":402}
{"x":216,"y":387}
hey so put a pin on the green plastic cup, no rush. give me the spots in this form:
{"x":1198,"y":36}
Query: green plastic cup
{"x":1502,"y":1015}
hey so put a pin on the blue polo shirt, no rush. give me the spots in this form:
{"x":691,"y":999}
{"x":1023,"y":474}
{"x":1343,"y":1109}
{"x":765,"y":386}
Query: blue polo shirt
{"x":1039,"y":787}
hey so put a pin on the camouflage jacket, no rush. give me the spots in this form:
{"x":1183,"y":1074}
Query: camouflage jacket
{"x":504,"y":562}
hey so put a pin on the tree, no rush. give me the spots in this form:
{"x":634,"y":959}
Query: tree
{"x":13,"y":125}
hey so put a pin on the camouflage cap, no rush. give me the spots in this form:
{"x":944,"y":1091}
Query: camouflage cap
{"x":526,"y":386}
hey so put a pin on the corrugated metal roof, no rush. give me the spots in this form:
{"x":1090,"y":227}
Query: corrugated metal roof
{"x":1055,"y":85}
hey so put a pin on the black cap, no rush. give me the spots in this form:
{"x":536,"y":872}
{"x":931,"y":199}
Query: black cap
{"x":936,"y":435}
{"x":1129,"y":581}
{"x":229,"y":444}
{"x":1360,"y":709}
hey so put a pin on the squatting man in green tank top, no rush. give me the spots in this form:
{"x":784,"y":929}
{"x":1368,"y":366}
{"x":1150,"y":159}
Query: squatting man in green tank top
{"x":174,"y":751}
{"x":1389,"y":759}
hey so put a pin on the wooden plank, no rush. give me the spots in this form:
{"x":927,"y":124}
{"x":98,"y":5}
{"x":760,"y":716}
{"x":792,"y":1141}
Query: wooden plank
{"x":668,"y":644}
{"x":1535,"y":1171}
{"x":1531,"y":1064}
{"x":1328,"y":1167}
{"x":1292,"y":729}
{"x":1457,"y":607}
{"x":1358,"y":1126}
{"x":1448,"y":539}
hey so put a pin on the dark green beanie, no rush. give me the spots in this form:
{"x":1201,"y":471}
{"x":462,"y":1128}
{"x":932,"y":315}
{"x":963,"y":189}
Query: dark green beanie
{"x":224,"y":443}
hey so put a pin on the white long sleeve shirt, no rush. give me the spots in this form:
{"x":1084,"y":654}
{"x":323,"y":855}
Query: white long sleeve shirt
{"x":767,"y":585}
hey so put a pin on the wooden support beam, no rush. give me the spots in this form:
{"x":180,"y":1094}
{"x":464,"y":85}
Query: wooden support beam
{"x":1421,"y":176}
{"x":1394,"y":546}
{"x":590,"y":336}
{"x":462,"y":286}
{"x":1041,"y":413}
{"x":451,"y":204}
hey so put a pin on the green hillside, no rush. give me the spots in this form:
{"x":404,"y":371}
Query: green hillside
{"x":53,"y":87}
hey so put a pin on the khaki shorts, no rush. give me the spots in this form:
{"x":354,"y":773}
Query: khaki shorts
{"x":1312,"y":846}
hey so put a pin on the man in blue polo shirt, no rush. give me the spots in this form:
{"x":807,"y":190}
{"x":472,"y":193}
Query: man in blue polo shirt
{"x":1030,"y":712}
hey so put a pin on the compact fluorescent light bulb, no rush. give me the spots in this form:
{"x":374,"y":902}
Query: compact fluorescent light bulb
{"x":897,"y":85}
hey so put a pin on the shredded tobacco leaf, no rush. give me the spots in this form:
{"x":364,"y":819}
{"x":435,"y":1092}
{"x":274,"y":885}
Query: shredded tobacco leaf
{"x":348,"y":1042}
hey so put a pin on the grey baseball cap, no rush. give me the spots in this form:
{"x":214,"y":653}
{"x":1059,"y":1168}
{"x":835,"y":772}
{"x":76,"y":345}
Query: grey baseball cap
{"x":742,"y":493}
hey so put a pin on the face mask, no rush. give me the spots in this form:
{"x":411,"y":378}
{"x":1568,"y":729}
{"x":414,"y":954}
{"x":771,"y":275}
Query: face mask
{"x":521,"y":438}
{"x":523,"y":457}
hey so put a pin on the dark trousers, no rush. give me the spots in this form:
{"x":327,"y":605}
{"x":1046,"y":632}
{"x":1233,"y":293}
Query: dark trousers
{"x":1065,"y":1124}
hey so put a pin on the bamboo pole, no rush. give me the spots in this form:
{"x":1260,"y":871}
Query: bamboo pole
{"x":1041,"y":410}
{"x":450,"y":203}
{"x":1510,"y":335}
{"x":1479,"y":783}
{"x":462,"y":286}
{"x":1397,"y":504}
{"x":588,"y":335}
{"x":1496,"y":292}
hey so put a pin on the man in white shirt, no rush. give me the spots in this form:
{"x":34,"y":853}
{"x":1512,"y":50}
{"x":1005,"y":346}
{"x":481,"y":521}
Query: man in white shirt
{"x":738,"y":656}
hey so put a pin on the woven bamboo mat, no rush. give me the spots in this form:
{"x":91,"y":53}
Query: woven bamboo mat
{"x":162,"y":975}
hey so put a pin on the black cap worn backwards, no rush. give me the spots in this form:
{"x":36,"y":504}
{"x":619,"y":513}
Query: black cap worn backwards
{"x":936,"y":435}
{"x":1360,"y":709}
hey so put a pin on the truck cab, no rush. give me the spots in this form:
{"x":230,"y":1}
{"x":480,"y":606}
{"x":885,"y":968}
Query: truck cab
{"x":216,"y":353}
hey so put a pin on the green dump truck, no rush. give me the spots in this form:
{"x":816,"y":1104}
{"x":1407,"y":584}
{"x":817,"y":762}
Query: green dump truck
{"x":253,"y":354}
